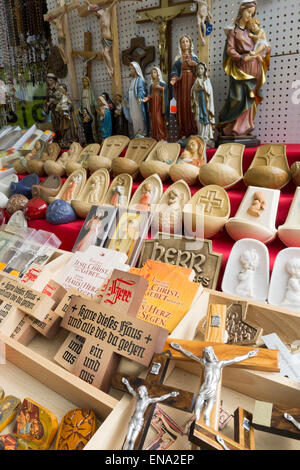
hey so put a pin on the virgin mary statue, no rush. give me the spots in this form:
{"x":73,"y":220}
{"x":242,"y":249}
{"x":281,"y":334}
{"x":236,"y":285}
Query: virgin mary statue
{"x":247,"y":71}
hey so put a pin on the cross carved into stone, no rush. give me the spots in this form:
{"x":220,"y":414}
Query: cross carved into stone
{"x":210,"y":201}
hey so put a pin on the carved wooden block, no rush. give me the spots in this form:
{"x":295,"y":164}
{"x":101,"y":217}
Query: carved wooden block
{"x":76,"y":429}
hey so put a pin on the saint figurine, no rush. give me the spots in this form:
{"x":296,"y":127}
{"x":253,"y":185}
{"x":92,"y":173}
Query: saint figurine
{"x":121,"y":124}
{"x":203,"y":104}
{"x":118,"y":193}
{"x":207,"y":394}
{"x":88,"y":101}
{"x":50,"y":103}
{"x":69,"y":193}
{"x":135,"y":109}
{"x":67,"y":122}
{"x":87,"y":124}
{"x":247,"y":72}
{"x":104,"y":117}
{"x":137,"y":420}
{"x":146,"y":193}
{"x":158,"y":105}
{"x":183,"y":76}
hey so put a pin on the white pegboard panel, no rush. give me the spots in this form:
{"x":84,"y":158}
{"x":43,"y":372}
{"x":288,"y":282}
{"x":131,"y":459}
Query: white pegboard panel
{"x":278,"y":119}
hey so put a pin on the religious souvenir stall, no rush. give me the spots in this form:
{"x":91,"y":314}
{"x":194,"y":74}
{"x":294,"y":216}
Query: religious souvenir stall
{"x":149,"y":225}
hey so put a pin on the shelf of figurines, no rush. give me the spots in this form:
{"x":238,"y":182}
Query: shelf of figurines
{"x":56,"y":335}
{"x":62,"y":201}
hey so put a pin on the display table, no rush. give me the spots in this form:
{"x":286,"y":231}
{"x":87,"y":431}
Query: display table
{"x":222,"y":243}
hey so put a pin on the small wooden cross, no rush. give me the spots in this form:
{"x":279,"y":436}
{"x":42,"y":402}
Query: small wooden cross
{"x":163,"y":16}
{"x":87,"y":55}
{"x":244,"y":429}
{"x":208,"y":438}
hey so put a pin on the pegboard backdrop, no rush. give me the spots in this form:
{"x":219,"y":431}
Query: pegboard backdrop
{"x":278,"y":117}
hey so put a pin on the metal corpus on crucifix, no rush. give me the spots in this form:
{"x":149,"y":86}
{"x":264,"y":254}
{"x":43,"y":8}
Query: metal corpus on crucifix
{"x":155,"y":387}
{"x":214,"y":356}
{"x":111,"y":330}
{"x":87,"y":55}
{"x":163,"y":16}
{"x":59,"y":17}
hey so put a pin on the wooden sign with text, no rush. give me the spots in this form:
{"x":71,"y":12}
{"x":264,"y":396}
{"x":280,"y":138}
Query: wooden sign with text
{"x":28,"y":300}
{"x":110,"y":330}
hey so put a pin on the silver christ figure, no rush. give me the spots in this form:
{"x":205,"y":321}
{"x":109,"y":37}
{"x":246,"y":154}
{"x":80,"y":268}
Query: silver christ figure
{"x":207,"y":394}
{"x":137,"y":420}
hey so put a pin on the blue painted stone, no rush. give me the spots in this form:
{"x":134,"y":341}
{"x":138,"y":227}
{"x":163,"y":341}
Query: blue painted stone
{"x":24,"y":186}
{"x":60,"y":212}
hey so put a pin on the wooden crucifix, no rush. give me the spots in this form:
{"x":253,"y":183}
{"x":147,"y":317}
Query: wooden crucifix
{"x":154,"y":383}
{"x":214,"y":356}
{"x":87,"y":55}
{"x":163,"y":16}
{"x":59,"y":17}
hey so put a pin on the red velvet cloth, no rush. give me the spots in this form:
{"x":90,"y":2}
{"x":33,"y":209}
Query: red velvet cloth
{"x":222,"y":243}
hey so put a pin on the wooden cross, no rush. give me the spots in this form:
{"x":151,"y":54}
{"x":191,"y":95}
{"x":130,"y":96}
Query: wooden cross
{"x":154,"y":382}
{"x":208,"y":438}
{"x":111,"y":329}
{"x":275,"y":419}
{"x":266,"y":360}
{"x":244,"y":429}
{"x":87,"y":55}
{"x":61,"y":14}
{"x":163,"y":16}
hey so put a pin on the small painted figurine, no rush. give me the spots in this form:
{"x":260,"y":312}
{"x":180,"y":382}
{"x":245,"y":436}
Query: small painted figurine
{"x":158,"y":105}
{"x":137,"y":420}
{"x":118,"y":193}
{"x":203,"y":103}
{"x":207,"y":394}
{"x":135,"y":109}
{"x":183,"y":76}
{"x":121,"y":124}
{"x":87,"y":124}
{"x":194,"y":152}
{"x":144,"y":201}
{"x":69,"y":193}
{"x":104,"y":118}
{"x":247,"y":74}
{"x":67,"y":122}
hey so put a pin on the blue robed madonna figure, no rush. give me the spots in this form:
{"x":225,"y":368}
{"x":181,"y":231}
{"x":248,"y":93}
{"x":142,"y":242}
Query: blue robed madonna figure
{"x":183,"y":76}
{"x":104,"y":116}
{"x":136,"y":110}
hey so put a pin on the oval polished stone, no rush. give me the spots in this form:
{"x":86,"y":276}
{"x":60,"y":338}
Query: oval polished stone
{"x":60,"y":212}
{"x":17,"y":202}
{"x":36,"y":209}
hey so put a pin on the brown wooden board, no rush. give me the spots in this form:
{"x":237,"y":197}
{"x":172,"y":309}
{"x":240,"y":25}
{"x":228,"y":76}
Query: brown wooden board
{"x":273,"y":420}
{"x":243,"y":428}
{"x":205,"y":438}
